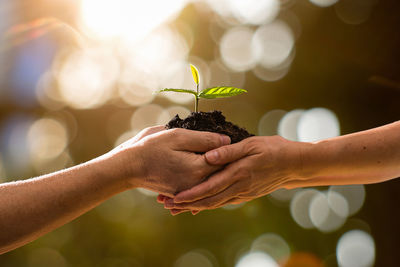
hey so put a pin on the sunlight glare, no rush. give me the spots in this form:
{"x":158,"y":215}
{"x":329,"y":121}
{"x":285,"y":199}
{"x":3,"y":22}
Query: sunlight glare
{"x":126,"y":19}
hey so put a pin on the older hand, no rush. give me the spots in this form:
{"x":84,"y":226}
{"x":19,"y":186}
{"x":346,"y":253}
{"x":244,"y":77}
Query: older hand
{"x":169,"y":161}
{"x":257,"y":166}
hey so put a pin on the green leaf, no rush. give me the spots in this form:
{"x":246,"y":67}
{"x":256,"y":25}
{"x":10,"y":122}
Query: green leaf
{"x":222,"y":91}
{"x":195,"y":74}
{"x":177,"y":91}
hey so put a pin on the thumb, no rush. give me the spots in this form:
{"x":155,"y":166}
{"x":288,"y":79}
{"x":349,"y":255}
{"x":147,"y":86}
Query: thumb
{"x":226,"y":154}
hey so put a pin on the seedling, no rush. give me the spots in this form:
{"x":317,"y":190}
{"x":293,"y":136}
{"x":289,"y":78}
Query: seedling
{"x":209,"y":93}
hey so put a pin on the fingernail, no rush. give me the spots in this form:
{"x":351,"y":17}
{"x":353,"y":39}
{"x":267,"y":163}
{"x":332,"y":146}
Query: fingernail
{"x":212,"y":156}
{"x":225,"y":140}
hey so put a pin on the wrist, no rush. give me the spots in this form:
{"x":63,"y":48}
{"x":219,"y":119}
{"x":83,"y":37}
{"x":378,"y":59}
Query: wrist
{"x":308,"y":163}
{"x":123,"y":167}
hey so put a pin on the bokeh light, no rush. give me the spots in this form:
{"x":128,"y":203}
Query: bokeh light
{"x":272,"y":244}
{"x":324,"y":3}
{"x":195,"y":259}
{"x":219,"y":74}
{"x":276,"y":41}
{"x":300,"y":205}
{"x":355,"y":249}
{"x":328,"y":211}
{"x":354,"y":11}
{"x":47,"y":139}
{"x":284,"y":195}
{"x":288,"y":125}
{"x":129,"y":20}
{"x":154,"y":55}
{"x":47,"y":93}
{"x":303,"y":259}
{"x":87,"y":76}
{"x":178,"y":75}
{"x":238,"y":51}
{"x":147,"y":116}
{"x":273,"y":74}
{"x":125,"y":137}
{"x":269,"y":122}
{"x":318,"y":124}
{"x":256,"y":259}
{"x":136,"y":90}
{"x":354,"y":194}
{"x":255,"y":11}
{"x":45,"y":166}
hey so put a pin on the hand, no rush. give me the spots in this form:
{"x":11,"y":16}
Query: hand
{"x":168,"y":161}
{"x":257,"y":166}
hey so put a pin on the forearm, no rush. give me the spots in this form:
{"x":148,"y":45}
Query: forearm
{"x":31,"y":208}
{"x":365,"y":157}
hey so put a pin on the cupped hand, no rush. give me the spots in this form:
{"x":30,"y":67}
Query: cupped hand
{"x":255,"y":167}
{"x":169,"y":161}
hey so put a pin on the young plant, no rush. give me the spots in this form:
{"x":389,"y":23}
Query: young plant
{"x":209,"y":93}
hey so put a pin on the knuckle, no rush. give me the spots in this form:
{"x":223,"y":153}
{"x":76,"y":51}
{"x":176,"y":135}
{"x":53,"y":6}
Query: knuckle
{"x":154,"y":129}
{"x":252,"y":144}
{"x":199,"y":173}
{"x":177,"y":135}
{"x":212,"y":141}
{"x":147,"y":131}
{"x":175,"y":132}
{"x":224,"y":151}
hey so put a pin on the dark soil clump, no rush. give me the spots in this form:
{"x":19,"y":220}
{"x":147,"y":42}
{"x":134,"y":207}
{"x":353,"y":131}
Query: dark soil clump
{"x":211,"y":122}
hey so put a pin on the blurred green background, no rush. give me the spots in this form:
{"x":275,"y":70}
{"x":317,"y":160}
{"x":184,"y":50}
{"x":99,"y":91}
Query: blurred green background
{"x":77,"y":78}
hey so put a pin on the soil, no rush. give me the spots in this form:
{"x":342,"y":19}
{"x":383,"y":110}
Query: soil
{"x":212,"y":121}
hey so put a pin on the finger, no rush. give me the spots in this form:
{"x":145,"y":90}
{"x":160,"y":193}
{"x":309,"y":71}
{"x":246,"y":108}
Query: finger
{"x":226,"y":154}
{"x":197,"y":141}
{"x":235,"y":201}
{"x":149,"y":131}
{"x":177,"y":211}
{"x":161,"y":199}
{"x":142,"y":134}
{"x":214,"y":185}
{"x":208,"y":203}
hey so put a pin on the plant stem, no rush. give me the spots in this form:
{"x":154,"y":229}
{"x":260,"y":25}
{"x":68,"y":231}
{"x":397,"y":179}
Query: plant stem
{"x":196,"y":106}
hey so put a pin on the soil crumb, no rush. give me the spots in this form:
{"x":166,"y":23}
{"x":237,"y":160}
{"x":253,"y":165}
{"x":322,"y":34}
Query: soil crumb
{"x":212,"y":121}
